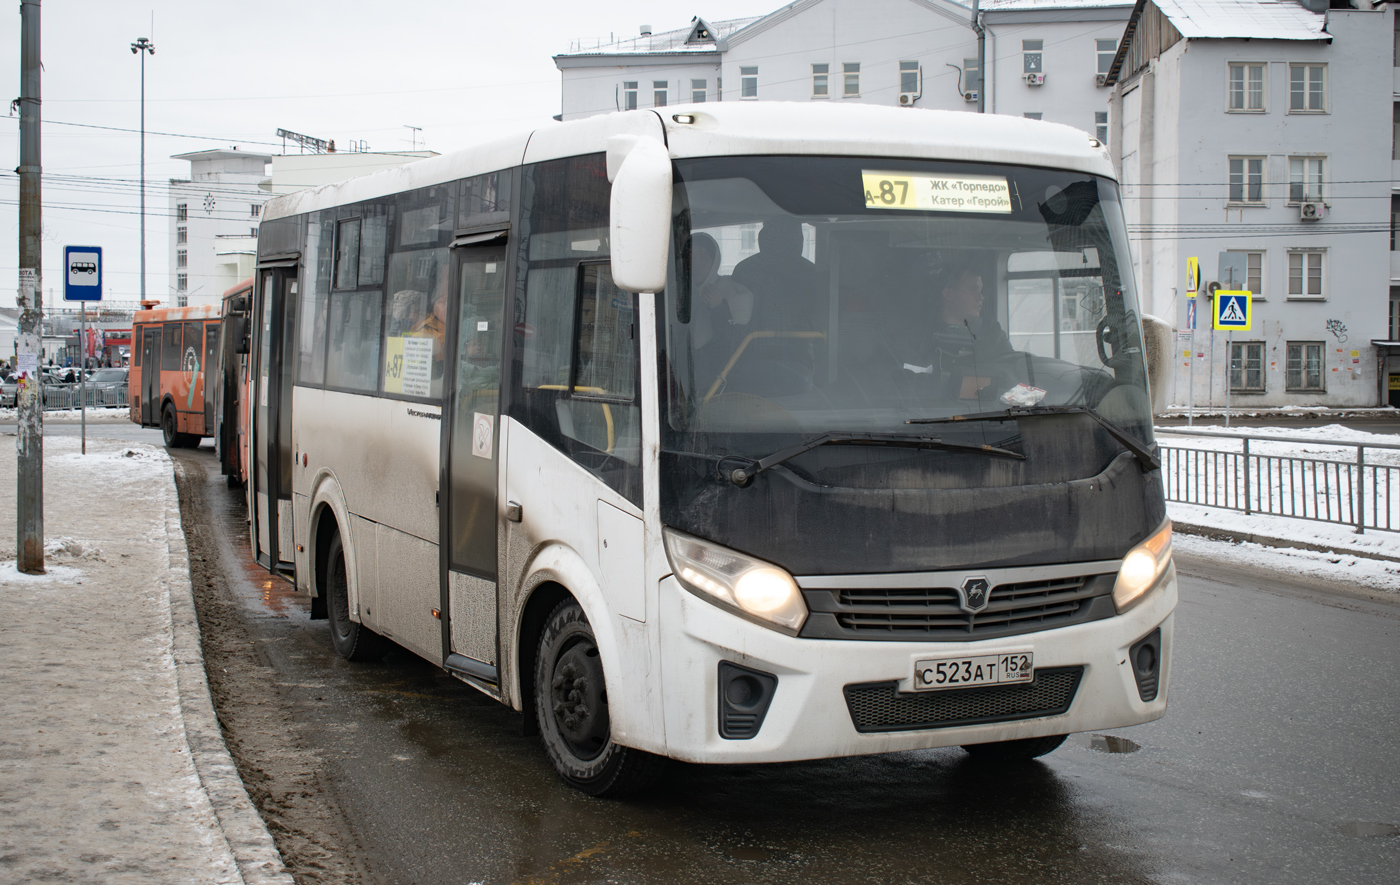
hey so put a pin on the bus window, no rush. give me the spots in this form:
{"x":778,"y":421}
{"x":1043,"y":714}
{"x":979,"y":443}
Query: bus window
{"x":311,"y":322}
{"x":415,"y":323}
{"x":136,"y":346}
{"x":352,"y":356}
{"x":170,"y":348}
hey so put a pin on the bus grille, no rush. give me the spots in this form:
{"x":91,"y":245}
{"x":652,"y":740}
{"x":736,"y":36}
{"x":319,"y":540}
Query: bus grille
{"x":935,"y":613}
{"x":881,"y":707}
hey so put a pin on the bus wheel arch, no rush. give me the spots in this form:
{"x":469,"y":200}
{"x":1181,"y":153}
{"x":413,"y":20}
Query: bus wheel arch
{"x":170,"y":426}
{"x":329,"y":518}
{"x":353,"y":641}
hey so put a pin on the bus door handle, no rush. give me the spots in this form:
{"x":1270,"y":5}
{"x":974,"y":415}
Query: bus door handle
{"x":513,"y":512}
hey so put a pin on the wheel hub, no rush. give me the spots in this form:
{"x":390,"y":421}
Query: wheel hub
{"x":578,"y":700}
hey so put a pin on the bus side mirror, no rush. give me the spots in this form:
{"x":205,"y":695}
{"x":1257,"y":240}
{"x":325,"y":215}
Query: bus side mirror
{"x":640,"y":216}
{"x":238,"y":331}
{"x":1157,"y":343}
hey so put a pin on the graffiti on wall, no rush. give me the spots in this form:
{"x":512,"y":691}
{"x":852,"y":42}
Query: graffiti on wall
{"x":1338,"y":330}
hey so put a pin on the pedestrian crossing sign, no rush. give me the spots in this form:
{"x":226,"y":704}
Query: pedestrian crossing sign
{"x":1232,"y":311}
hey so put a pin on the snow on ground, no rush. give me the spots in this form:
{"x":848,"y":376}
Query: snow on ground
{"x":1371,"y":573}
{"x":103,"y":414}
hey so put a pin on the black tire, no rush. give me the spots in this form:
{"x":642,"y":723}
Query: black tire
{"x":1023,"y":750}
{"x":352,"y":641}
{"x":571,"y":703}
{"x":174,"y":439}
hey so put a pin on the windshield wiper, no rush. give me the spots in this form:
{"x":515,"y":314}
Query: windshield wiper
{"x":741,"y":476}
{"x":1142,"y":453}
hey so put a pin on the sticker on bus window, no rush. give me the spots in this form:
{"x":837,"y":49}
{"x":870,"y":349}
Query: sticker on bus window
{"x":483,"y":433}
{"x":408,"y":365}
{"x":936,"y":193}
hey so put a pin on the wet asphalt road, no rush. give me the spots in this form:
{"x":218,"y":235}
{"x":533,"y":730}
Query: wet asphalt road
{"x":1276,"y":763}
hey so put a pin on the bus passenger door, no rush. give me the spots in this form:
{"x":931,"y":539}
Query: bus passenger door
{"x":272,"y":419}
{"x":470,"y":438}
{"x":209,"y":371}
{"x":150,"y":376}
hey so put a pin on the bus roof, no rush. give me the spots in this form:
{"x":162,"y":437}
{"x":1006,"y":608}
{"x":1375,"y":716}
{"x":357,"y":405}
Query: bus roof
{"x":164,"y":314}
{"x":740,"y":128}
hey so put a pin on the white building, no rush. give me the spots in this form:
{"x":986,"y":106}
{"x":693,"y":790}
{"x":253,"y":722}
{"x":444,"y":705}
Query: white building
{"x":1264,"y":128}
{"x":1044,"y":58}
{"x":219,"y":203}
{"x":214,"y":238}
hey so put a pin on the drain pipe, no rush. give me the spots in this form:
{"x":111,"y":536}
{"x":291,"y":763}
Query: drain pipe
{"x":981,"y":57}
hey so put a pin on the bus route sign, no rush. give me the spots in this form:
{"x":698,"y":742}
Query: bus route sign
{"x":82,"y":277}
{"x":1231,"y":310}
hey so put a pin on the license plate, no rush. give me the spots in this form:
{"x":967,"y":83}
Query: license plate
{"x":1000,"y":669}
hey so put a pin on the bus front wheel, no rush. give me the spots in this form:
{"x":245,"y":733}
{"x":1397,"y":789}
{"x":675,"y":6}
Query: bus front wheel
{"x":353,"y":641}
{"x":1023,"y":750}
{"x":571,"y":704}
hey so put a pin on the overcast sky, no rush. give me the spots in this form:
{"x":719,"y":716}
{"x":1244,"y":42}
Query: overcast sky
{"x":232,"y":73}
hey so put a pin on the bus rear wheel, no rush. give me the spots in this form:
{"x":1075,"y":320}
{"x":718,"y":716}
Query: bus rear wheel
{"x":174,"y":439}
{"x":571,"y":705}
{"x":1022,"y":750}
{"x":353,"y":641}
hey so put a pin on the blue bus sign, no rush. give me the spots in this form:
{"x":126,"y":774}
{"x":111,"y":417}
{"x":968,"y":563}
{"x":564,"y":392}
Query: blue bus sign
{"x":82,"y":277}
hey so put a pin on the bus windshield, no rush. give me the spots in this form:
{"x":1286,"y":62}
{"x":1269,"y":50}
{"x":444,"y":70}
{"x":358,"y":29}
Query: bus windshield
{"x":813,"y":295}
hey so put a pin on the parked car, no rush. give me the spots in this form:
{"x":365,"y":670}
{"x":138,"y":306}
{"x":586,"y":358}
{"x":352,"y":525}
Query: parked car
{"x":105,"y":379}
{"x":9,"y":390}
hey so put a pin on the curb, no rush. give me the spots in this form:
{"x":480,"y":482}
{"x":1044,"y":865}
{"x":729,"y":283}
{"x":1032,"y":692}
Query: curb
{"x":1218,"y":534}
{"x":247,"y":837}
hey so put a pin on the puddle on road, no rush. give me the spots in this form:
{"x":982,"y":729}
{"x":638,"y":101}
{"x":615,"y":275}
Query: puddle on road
{"x":1108,"y":743}
{"x":1366,"y":829}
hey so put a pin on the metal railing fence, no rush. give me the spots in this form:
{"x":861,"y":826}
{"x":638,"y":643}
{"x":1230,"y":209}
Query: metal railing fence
{"x":72,"y":396}
{"x":1303,"y":486}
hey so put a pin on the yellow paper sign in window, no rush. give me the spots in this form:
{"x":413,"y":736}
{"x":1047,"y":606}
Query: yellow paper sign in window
{"x":937,"y":193}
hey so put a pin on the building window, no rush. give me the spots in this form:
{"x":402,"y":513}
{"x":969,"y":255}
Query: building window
{"x":1395,"y":133}
{"x":629,"y":95}
{"x":658,"y":93}
{"x":1305,"y":179}
{"x":1101,"y":126}
{"x":850,"y":88}
{"x":255,"y":209}
{"x":972,"y":77}
{"x":182,"y":235}
{"x":1395,"y":314}
{"x":697,"y":90}
{"x":1247,"y":87}
{"x":252,"y":231}
{"x":1247,"y":366}
{"x":1395,"y":224}
{"x":748,"y":83}
{"x":821,"y":88}
{"x":182,"y":258}
{"x":1032,"y":115}
{"x":1305,"y":275}
{"x":1031,"y":56}
{"x":1304,"y":368}
{"x":1106,"y":50}
{"x":1307,"y":88}
{"x":1254,"y":273}
{"x":182,"y":211}
{"x":182,"y":282}
{"x":182,"y":301}
{"x":909,"y":77}
{"x":1247,"y":180}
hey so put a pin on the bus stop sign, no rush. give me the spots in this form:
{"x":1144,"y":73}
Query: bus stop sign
{"x":82,"y":279}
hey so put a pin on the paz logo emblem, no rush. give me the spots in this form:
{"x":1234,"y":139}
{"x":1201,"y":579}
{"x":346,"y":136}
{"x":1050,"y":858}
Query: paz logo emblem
{"x":974,"y":593}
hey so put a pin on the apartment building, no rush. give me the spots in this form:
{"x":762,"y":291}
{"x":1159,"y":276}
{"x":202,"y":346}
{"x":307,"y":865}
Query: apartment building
{"x":1264,"y":129}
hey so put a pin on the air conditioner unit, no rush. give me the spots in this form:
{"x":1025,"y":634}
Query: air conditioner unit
{"x":907,"y":99}
{"x":970,"y":96}
{"x":1035,"y":79}
{"x":1311,"y":211}
{"x":1100,"y":79}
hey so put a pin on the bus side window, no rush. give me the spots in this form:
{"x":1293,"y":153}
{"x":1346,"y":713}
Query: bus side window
{"x":170,"y":348}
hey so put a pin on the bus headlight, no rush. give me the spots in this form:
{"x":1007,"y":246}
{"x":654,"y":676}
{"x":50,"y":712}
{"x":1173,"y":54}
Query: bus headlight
{"x":754,"y":588}
{"x":1143,"y":568}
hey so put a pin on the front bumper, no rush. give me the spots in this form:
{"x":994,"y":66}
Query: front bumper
{"x":809,"y":717}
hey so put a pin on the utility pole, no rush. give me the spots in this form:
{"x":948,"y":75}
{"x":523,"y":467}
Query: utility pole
{"x":29,"y":497}
{"x":142,"y":47}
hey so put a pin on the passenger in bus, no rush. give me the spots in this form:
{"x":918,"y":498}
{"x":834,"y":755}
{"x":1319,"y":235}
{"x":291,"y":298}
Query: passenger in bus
{"x":434,"y":325}
{"x":717,"y":302}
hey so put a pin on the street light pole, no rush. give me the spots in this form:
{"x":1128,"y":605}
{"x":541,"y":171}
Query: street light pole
{"x":142,"y":47}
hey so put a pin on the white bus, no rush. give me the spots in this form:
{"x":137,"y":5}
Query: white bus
{"x":736,"y":432}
